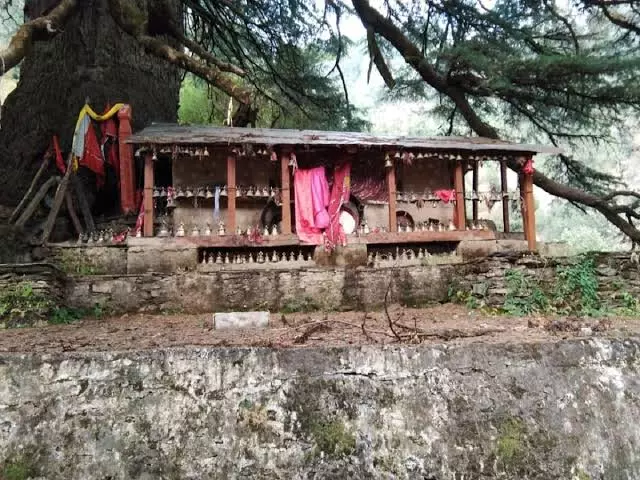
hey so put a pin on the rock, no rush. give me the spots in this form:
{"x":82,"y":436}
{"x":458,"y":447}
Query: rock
{"x":606,"y":271}
{"x":238,"y":320}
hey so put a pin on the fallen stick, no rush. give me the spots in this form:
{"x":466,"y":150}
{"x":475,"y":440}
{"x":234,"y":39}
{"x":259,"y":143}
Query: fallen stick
{"x":34,"y":182}
{"x":35,"y":201}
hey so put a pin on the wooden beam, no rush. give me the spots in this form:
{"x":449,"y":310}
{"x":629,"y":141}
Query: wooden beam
{"x":34,"y":182}
{"x":458,"y":185}
{"x":72,"y":213}
{"x":148,"y":195}
{"x":57,"y":201}
{"x":391,"y":187}
{"x":286,"y":194}
{"x":505,"y":199}
{"x":85,"y":208}
{"x":474,"y":188}
{"x":125,"y":151}
{"x":231,"y":192}
{"x":530,"y":212}
{"x":31,"y":208}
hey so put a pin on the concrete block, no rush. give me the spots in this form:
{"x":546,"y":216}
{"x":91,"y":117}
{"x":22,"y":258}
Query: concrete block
{"x":239,"y":320}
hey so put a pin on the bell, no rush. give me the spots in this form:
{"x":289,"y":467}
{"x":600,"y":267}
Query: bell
{"x":198,"y":152}
{"x":250,"y":259}
{"x":420,"y":156}
{"x":201,"y":193}
{"x":420,"y":254}
{"x":164,"y":231}
{"x":274,"y":230}
{"x":474,"y":196}
{"x":410,"y":254}
{"x":138,"y":235}
{"x":189,"y":193}
{"x":226,"y":258}
{"x":398,"y":197}
{"x":387,"y":161}
{"x":451,"y":225}
{"x":154,"y":157}
{"x":206,"y":152}
{"x":100,"y":236}
{"x":238,"y":230}
{"x":163,"y":192}
{"x":156,"y":192}
{"x":179,"y":192}
{"x":223,"y":192}
{"x":433,"y":204}
{"x":292,"y":160}
{"x":405,"y":197}
{"x":366,"y":228}
{"x":413,"y":198}
{"x":300,"y":257}
{"x":204,"y":259}
{"x":409,"y":228}
{"x":195,"y":231}
{"x":221,"y":230}
{"x":431,"y":229}
{"x":397,"y":155}
{"x":265,"y":232}
{"x":208,"y":193}
{"x":249,"y":232}
{"x":260,"y":257}
{"x":180,"y":230}
{"x":403,"y":255}
{"x":272,"y":192}
{"x":250,"y":192}
{"x":207,"y":230}
{"x":274,"y":256}
{"x":265,"y":192}
{"x":219,"y":258}
{"x":238,"y":192}
{"x":171,"y":203}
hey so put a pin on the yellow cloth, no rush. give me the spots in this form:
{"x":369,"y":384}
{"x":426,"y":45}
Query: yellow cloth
{"x":87,"y":110}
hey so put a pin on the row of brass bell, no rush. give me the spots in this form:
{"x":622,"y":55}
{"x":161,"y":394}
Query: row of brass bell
{"x":207,"y":192}
{"x":260,"y":257}
{"x":401,"y":255}
{"x":98,"y":236}
{"x":408,"y":157}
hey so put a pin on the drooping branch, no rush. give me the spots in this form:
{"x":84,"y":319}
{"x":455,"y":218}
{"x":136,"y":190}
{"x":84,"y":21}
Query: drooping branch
{"x":372,"y":19}
{"x":122,"y":14}
{"x":47,"y":26}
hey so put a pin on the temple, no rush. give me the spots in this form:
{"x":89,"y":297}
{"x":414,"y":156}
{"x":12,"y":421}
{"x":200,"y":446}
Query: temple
{"x":231,"y":188}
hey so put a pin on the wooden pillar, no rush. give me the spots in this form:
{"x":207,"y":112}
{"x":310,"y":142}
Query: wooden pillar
{"x":475,"y":201}
{"x":529,"y":211}
{"x":391,"y":187}
{"x":231,"y":194}
{"x":148,"y":195}
{"x":127,"y":181}
{"x":286,"y":194}
{"x":458,"y":185}
{"x":505,"y":199}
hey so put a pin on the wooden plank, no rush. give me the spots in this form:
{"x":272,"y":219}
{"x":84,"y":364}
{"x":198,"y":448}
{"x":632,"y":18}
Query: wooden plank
{"x":34,"y":182}
{"x":458,"y":185}
{"x":530,"y":212}
{"x":33,"y":205}
{"x":504,"y":187}
{"x":286,"y":194}
{"x":391,"y":188}
{"x":474,"y":203}
{"x":57,"y":201}
{"x":72,"y":213}
{"x":231,"y":191}
{"x":148,"y":196}
{"x":170,"y":134}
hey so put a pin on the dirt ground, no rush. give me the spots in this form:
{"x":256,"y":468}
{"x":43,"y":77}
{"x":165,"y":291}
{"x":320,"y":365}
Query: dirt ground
{"x":439,"y":324}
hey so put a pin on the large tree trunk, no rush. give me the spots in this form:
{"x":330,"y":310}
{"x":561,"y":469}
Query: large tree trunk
{"x":91,"y":59}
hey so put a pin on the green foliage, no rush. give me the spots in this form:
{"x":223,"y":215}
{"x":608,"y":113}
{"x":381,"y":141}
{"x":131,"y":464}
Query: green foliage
{"x":524,"y":296}
{"x":511,"y":443}
{"x":21,"y":303}
{"x":333,"y":438}
{"x":300,"y":305}
{"x":17,"y":469}
{"x":577,"y":289}
{"x":67,"y":315}
{"x":69,"y":261}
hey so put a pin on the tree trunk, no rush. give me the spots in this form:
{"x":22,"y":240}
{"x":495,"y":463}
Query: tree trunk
{"x":91,"y":59}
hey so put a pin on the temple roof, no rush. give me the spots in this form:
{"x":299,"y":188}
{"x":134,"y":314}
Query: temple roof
{"x":172,"y":134}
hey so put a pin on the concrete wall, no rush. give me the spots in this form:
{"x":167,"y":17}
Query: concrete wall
{"x":563,"y":411}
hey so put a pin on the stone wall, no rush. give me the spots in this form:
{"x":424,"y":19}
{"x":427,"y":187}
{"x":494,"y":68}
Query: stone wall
{"x":563,"y":411}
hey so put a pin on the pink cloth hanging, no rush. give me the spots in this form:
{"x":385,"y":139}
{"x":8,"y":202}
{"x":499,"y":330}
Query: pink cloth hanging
{"x":339,"y":196}
{"x":311,"y":201}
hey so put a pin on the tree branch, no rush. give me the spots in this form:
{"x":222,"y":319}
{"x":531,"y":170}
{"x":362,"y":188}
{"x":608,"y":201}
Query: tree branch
{"x":48,"y":25}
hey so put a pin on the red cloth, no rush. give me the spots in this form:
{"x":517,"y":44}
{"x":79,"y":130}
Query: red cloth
{"x":92,"y":156}
{"x":339,"y":195}
{"x":311,"y":199}
{"x":128,"y":199}
{"x":528,"y":167}
{"x":446,"y":195}
{"x":58,"y":153}
{"x":109,"y":136}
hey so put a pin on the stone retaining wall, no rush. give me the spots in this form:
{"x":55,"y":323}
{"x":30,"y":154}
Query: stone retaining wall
{"x":556,"y":411}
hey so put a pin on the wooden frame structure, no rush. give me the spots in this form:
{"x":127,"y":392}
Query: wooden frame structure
{"x":461,"y":151}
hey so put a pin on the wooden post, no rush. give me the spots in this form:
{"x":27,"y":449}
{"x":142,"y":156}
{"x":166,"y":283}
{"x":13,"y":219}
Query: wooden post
{"x":34,"y":182}
{"x":148,"y":195}
{"x":458,"y":185}
{"x":475,"y":202}
{"x":125,"y":151}
{"x":231,"y":194}
{"x":285,"y":194}
{"x":391,"y":187}
{"x":57,"y":201}
{"x":505,"y":199}
{"x":530,"y":212}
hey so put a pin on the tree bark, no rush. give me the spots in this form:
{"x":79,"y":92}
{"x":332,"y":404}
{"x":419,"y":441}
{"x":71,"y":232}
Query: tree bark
{"x":91,"y":58}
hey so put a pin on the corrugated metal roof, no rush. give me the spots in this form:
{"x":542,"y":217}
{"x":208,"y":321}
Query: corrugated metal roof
{"x":171,"y":134}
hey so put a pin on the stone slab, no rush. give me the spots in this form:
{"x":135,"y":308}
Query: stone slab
{"x":239,"y":320}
